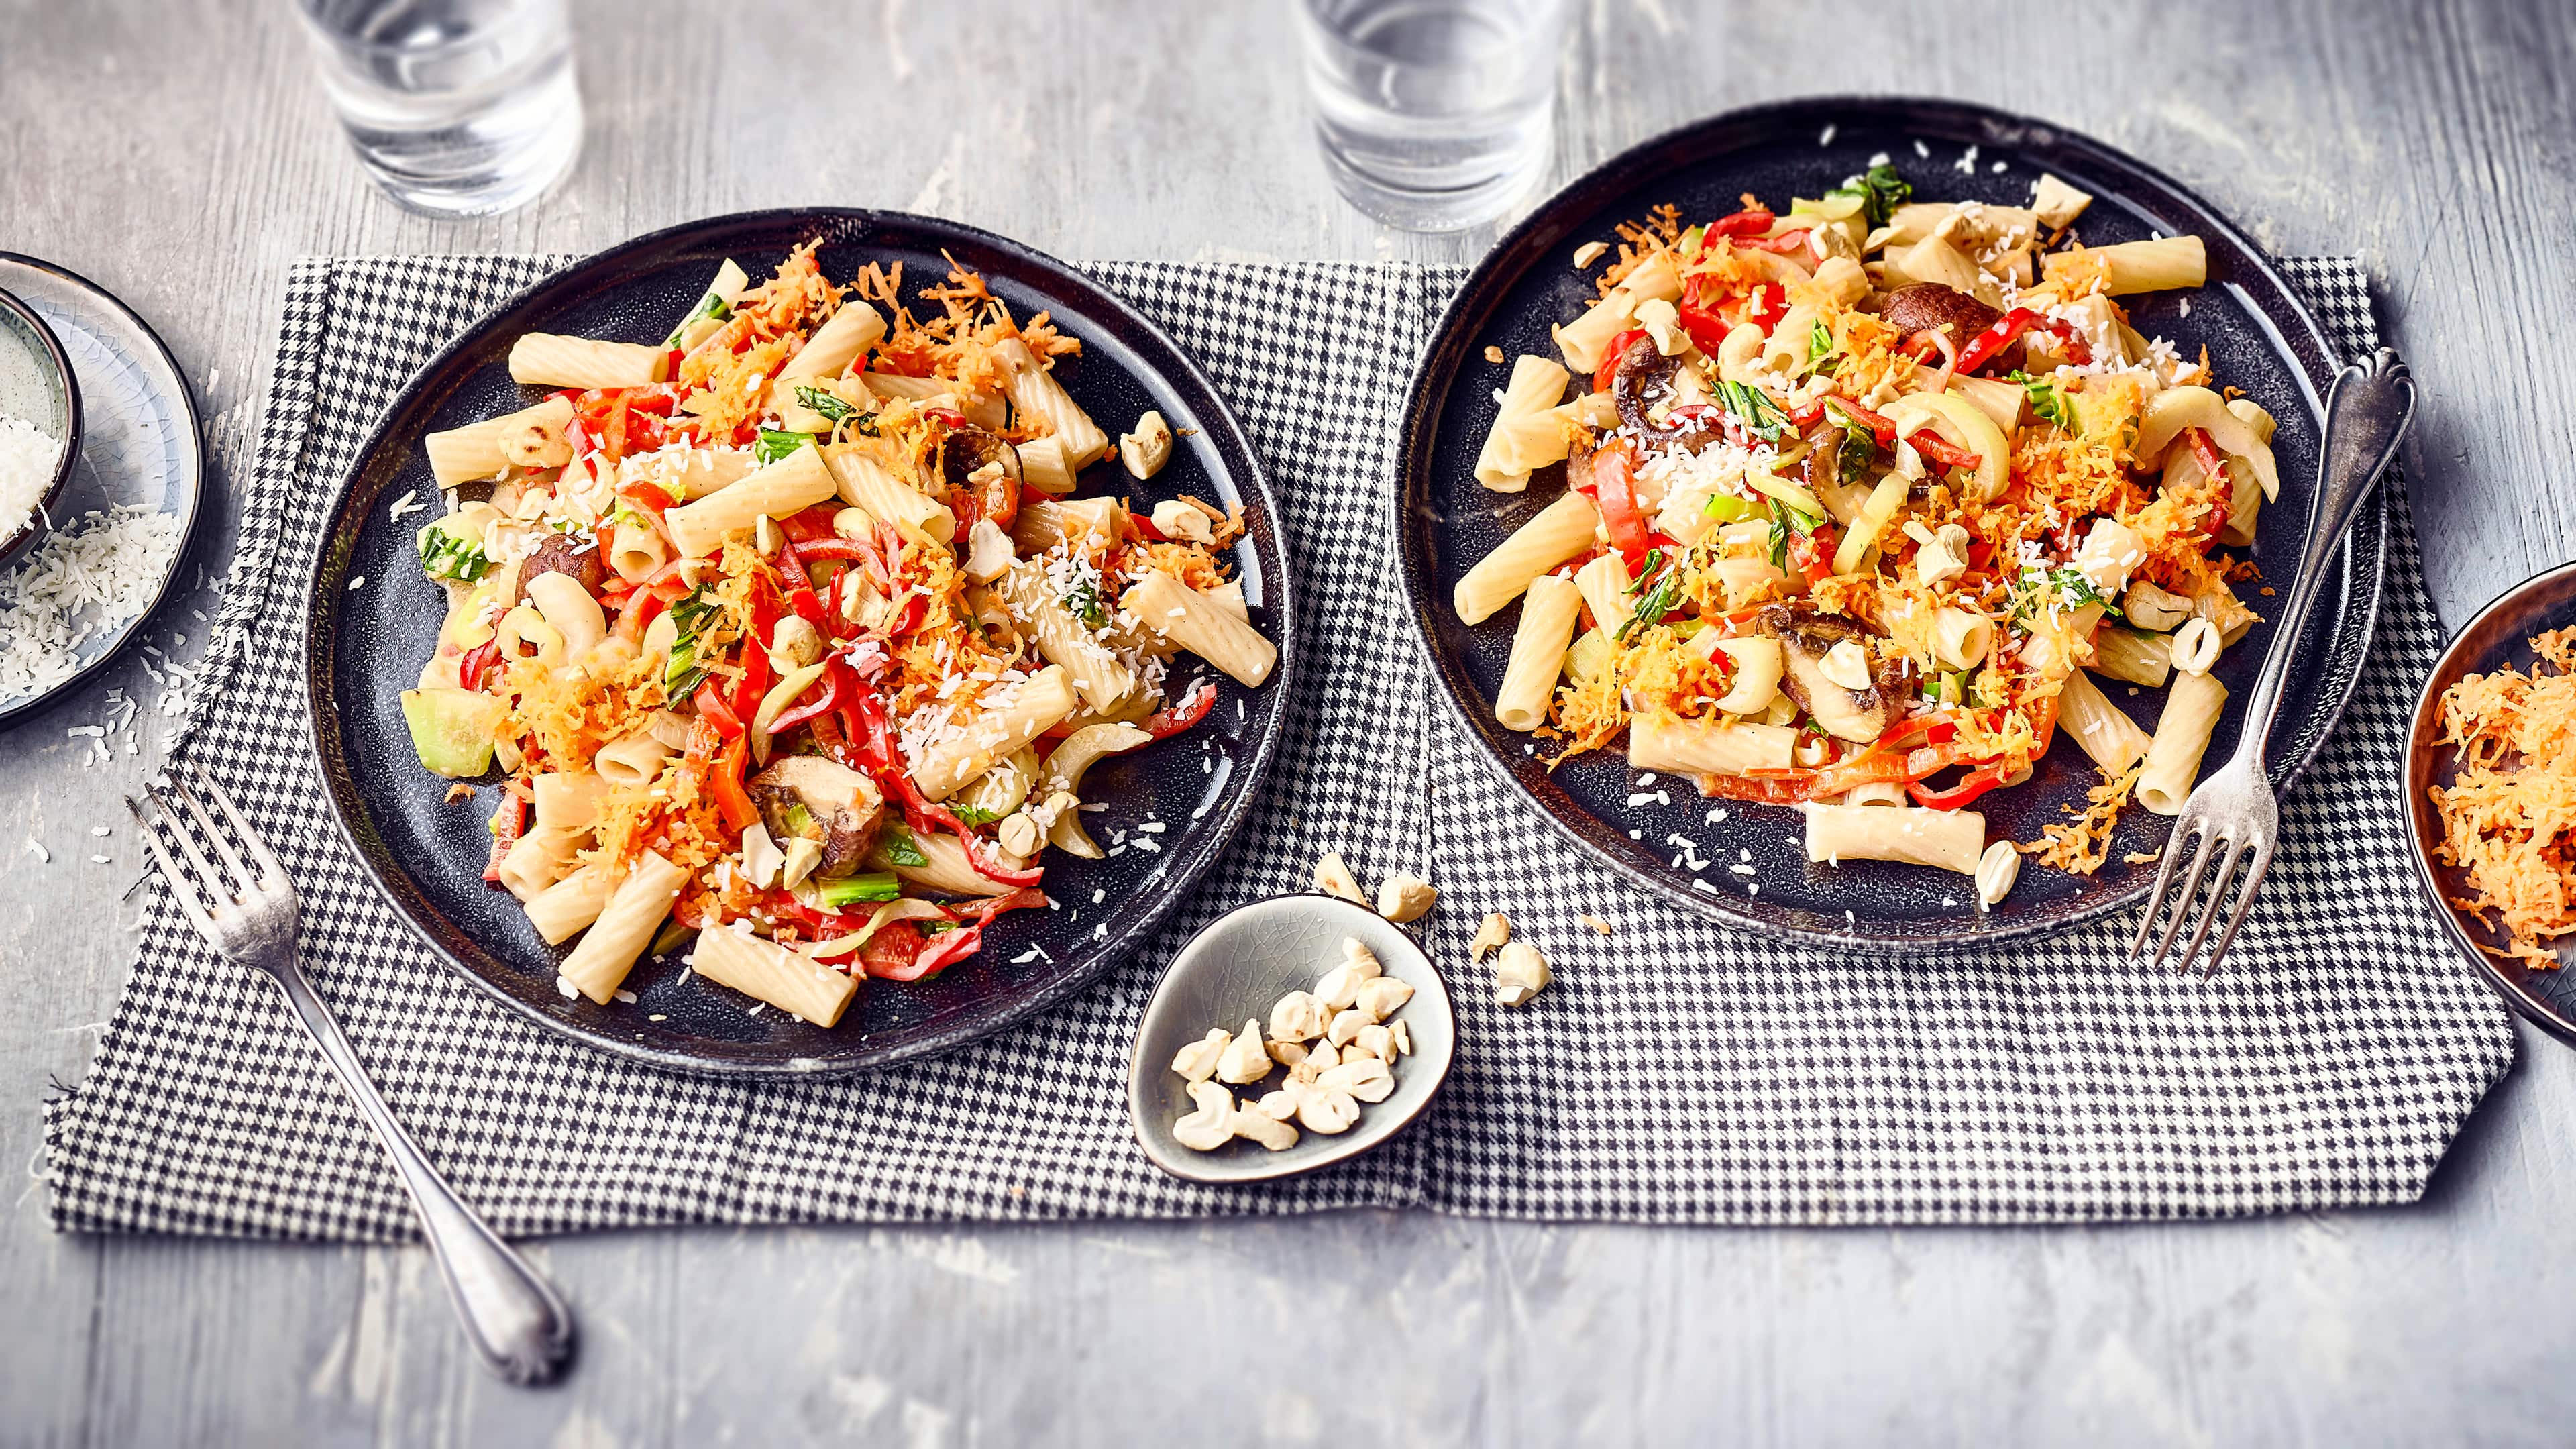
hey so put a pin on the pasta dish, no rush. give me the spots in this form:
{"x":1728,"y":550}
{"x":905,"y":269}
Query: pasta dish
{"x":1860,"y":496}
{"x":789,"y":631}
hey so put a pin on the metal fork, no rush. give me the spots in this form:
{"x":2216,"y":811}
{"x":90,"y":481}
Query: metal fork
{"x":2234,"y":812}
{"x":513,"y":1317}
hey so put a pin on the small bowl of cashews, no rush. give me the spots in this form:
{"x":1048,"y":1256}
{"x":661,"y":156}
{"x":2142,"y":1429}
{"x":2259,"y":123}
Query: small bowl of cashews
{"x":1291,"y":1034}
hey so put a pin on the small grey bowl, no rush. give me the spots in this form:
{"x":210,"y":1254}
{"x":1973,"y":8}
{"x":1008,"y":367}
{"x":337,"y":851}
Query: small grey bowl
{"x":36,"y":384}
{"x":1232,"y":972}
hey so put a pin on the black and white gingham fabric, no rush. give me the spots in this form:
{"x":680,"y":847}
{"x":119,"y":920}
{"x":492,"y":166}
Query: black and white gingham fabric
{"x":1674,"y":1073}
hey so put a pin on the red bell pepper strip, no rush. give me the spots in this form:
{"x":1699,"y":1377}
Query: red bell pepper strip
{"x":725,"y":783}
{"x":1941,"y":733}
{"x":1787,"y":243}
{"x":871,"y":746}
{"x":1812,"y":553}
{"x":1964,"y":792}
{"x":1144,"y":527}
{"x":814,"y":523}
{"x":1171,"y":719}
{"x":2205,"y":451}
{"x":1986,"y":346}
{"x":891,"y":954}
{"x":1751,"y":222}
{"x":712,"y":708}
{"x":836,"y":677}
{"x":1614,"y":480}
{"x":1610,"y":356}
{"x":1027,"y":898}
{"x":476,"y":662}
{"x":1941,"y":450}
{"x":1706,"y":328}
{"x":1768,"y":303}
{"x":653,"y":500}
{"x":508,"y":823}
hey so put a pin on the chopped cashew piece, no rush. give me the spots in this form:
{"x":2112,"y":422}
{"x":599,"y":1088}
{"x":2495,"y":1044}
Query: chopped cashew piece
{"x":1212,"y":1125}
{"x":1327,"y":1110}
{"x":1402,"y":1035}
{"x":1265,"y":1129}
{"x":1147,"y":449}
{"x":1363,"y":1077}
{"x":1298,"y":1016}
{"x":1020,"y":833}
{"x":767,"y":536}
{"x":1846,"y":664}
{"x":1402,"y":898}
{"x":1321,"y":1055}
{"x":1197,"y":1061}
{"x":1277,"y":1106}
{"x":1341,"y":985}
{"x":1346,"y":1027}
{"x":1595,"y":922}
{"x":794,"y":643}
{"x":1520,"y":973}
{"x":1381,"y":996}
{"x":1997,"y":869}
{"x":2108,"y":552}
{"x":761,"y":859}
{"x":1490,"y":936}
{"x":1243,"y":1060}
{"x":1590,"y":252}
{"x":1289,"y":1054}
{"x":1944,"y":554}
{"x":1377,"y":1041}
{"x":802,"y":856}
{"x":1334,"y":878}
{"x":1175,"y":519}
{"x":988,"y":551}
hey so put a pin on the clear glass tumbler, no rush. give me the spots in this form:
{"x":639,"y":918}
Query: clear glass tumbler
{"x":1434,"y":115}
{"x":455,"y":107}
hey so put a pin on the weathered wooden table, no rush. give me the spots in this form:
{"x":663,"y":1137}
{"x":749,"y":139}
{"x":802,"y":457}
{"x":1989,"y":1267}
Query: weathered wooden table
{"x":182,"y":155}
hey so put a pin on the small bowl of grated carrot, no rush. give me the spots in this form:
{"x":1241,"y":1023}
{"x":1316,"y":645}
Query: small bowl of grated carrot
{"x":2491,"y":794}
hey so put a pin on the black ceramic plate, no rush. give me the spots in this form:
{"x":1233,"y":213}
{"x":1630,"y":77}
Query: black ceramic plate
{"x":2498,"y":638}
{"x":364,"y":646}
{"x":2260,"y":338}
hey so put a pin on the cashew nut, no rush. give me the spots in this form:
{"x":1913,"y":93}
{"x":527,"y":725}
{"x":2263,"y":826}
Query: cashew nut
{"x":1382,"y":996}
{"x":1212,"y":1125}
{"x":1147,"y":449}
{"x":1346,"y":1027}
{"x":1265,"y":1129}
{"x":1175,"y":519}
{"x":1243,"y":1060}
{"x":1365,"y":1078}
{"x":1277,"y":1106}
{"x":988,"y":551}
{"x":1377,"y":1041}
{"x":794,"y":643}
{"x":1288,"y":1054}
{"x":1846,"y":664}
{"x":1402,"y":898}
{"x":1490,"y":936}
{"x":1327,"y":1110}
{"x":1332,"y":877}
{"x":1520,"y":973}
{"x":1197,"y":1061}
{"x":1020,"y":833}
{"x":1402,"y":1036}
{"x":1298,"y":1016}
{"x":1997,"y":869}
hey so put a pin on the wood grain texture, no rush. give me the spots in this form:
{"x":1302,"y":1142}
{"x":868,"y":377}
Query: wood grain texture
{"x":2434,"y":137}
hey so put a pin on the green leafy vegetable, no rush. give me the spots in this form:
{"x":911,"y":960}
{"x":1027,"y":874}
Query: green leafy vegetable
{"x":446,"y":555}
{"x":691,"y":650}
{"x":2046,"y":402}
{"x":1783,"y":519}
{"x":899,"y":846}
{"x":1881,"y":192}
{"x":1822,"y":354}
{"x":1083,"y":602}
{"x":1755,"y":409}
{"x":834,"y":409}
{"x":1859,"y":454}
{"x":850,"y":889}
{"x":774,"y":445}
{"x":1727,"y":508}
{"x":2064,"y":587}
{"x":800,"y":822}
{"x":974,"y":814}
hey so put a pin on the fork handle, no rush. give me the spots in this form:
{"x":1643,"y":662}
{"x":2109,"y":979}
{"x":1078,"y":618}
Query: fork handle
{"x":512,"y":1315}
{"x":2366,"y":416}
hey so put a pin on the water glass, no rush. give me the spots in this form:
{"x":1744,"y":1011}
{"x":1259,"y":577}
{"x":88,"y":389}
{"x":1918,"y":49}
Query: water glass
{"x":455,"y":107}
{"x":1434,"y":115}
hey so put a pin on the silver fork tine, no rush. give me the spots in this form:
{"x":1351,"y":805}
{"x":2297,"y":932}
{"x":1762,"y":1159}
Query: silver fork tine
{"x":208,"y":877}
{"x":2244,"y":903}
{"x":2235,"y":854}
{"x":2164,"y":883}
{"x":180,"y":889}
{"x":217,"y":840}
{"x":2189,"y":893}
{"x":251,"y":839}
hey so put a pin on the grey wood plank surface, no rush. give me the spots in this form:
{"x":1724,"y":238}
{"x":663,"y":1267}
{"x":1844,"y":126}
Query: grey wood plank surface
{"x":181,"y":154}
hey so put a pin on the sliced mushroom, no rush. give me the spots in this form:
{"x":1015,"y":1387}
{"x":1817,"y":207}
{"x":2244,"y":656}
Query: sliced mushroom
{"x":1805,"y":639}
{"x":1931,"y":307}
{"x":1641,"y":367}
{"x":807,"y":797}
{"x":561,"y":553}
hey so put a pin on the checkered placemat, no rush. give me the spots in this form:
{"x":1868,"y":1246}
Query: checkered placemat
{"x":1675,"y":1072}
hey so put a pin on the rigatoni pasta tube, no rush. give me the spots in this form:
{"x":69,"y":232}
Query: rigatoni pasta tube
{"x":945,"y":866}
{"x":1705,"y":747}
{"x":2138,"y":266}
{"x":1171,"y":609}
{"x":1605,"y":584}
{"x":636,"y":552}
{"x":2113,"y":739}
{"x":2182,"y":737}
{"x":544,"y":359}
{"x":625,"y":926}
{"x":1035,"y":391}
{"x":633,"y":760}
{"x":2133,"y":656}
{"x":788,"y":980}
{"x":837,"y":343}
{"x":565,"y":909}
{"x":1538,"y":652}
{"x":789,"y":486}
{"x":480,"y":450}
{"x":1942,"y":839}
{"x":864,"y":483}
{"x":537,"y":860}
{"x":1554,"y":534}
{"x":1099,"y":675}
{"x":1038,"y":705}
{"x":568,"y":799}
{"x":1526,"y":434}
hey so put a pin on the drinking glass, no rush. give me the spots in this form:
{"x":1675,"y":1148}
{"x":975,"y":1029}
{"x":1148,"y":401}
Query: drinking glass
{"x":1433,"y":114}
{"x":455,"y":107}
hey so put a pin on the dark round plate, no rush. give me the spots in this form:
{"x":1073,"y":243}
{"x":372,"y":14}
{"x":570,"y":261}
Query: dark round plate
{"x":2498,"y":638}
{"x":2260,"y":338}
{"x":365,"y":644}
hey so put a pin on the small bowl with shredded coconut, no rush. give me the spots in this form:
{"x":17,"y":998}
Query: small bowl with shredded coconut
{"x":40,"y":426}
